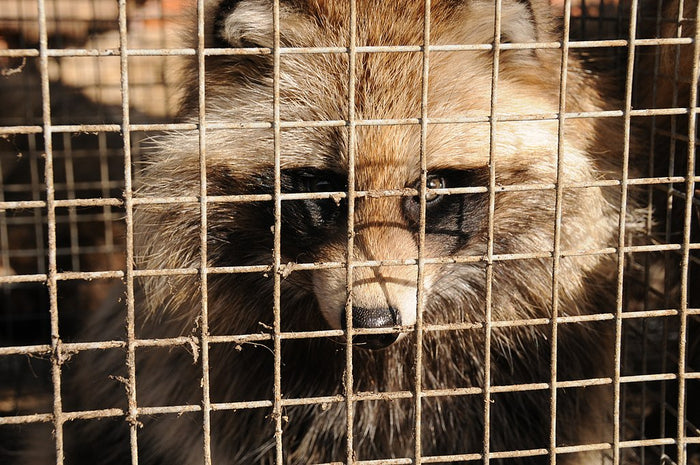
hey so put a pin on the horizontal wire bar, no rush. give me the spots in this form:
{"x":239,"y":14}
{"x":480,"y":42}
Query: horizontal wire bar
{"x":114,"y":52}
{"x":291,"y":267}
{"x":504,"y":117}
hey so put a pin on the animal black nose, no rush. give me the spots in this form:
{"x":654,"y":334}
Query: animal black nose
{"x":374,"y":318}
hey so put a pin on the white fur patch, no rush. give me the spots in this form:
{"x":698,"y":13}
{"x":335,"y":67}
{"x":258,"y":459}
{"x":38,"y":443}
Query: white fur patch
{"x":250,"y":21}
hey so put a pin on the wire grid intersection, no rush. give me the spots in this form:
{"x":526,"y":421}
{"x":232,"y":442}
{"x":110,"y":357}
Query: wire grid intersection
{"x":67,"y":234}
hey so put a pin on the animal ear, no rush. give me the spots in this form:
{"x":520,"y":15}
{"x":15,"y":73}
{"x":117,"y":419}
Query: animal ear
{"x":519,"y":22}
{"x":243,"y":23}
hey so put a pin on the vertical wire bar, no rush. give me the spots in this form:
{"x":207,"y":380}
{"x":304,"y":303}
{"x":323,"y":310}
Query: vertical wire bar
{"x":132,"y":414}
{"x":627,"y":417}
{"x":51,"y":281}
{"x":489,"y":247}
{"x":277,"y":246}
{"x":669,"y":266}
{"x":653,"y":130}
{"x":685,"y":258}
{"x":36,"y":195}
{"x":107,"y":214}
{"x":556,"y":253}
{"x":417,"y":452}
{"x":203,"y":277}
{"x":651,"y":172}
{"x":619,"y":306}
{"x":4,"y":239}
{"x":349,"y":405}
{"x":664,"y":386}
{"x":5,"y":264}
{"x":71,"y":195}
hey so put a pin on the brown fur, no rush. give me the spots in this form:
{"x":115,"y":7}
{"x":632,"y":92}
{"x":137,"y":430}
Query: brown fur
{"x":239,"y":161}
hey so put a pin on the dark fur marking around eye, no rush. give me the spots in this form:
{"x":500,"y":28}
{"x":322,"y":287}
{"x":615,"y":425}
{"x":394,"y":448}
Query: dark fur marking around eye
{"x":308,"y":223}
{"x":454,"y":217}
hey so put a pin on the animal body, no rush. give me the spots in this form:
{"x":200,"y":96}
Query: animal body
{"x":499,"y":304}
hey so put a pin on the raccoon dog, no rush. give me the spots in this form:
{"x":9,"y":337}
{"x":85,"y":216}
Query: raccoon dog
{"x":484,"y":316}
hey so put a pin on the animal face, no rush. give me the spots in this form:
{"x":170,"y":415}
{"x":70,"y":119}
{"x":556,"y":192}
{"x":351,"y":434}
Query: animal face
{"x":463,"y":147}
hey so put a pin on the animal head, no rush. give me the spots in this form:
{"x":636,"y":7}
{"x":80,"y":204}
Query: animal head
{"x":372,"y":130}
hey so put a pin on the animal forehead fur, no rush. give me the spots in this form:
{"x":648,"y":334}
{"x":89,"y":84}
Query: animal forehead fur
{"x":382,"y":23}
{"x":388,"y":85}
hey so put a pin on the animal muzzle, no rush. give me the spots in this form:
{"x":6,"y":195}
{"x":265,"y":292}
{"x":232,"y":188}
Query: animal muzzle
{"x":388,"y":317}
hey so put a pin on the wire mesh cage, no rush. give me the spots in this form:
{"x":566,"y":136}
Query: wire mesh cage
{"x":182,"y":181}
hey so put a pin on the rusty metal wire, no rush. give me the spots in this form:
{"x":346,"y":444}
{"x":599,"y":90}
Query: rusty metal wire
{"x":45,"y":210}
{"x":351,"y":196}
{"x":420,"y":285}
{"x":277,"y":240}
{"x":325,"y":50}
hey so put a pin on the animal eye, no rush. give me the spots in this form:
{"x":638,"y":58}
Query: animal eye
{"x":434,"y":182}
{"x":318,"y":183}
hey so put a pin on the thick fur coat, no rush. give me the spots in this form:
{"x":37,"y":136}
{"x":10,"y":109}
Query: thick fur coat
{"x":458,"y":148}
